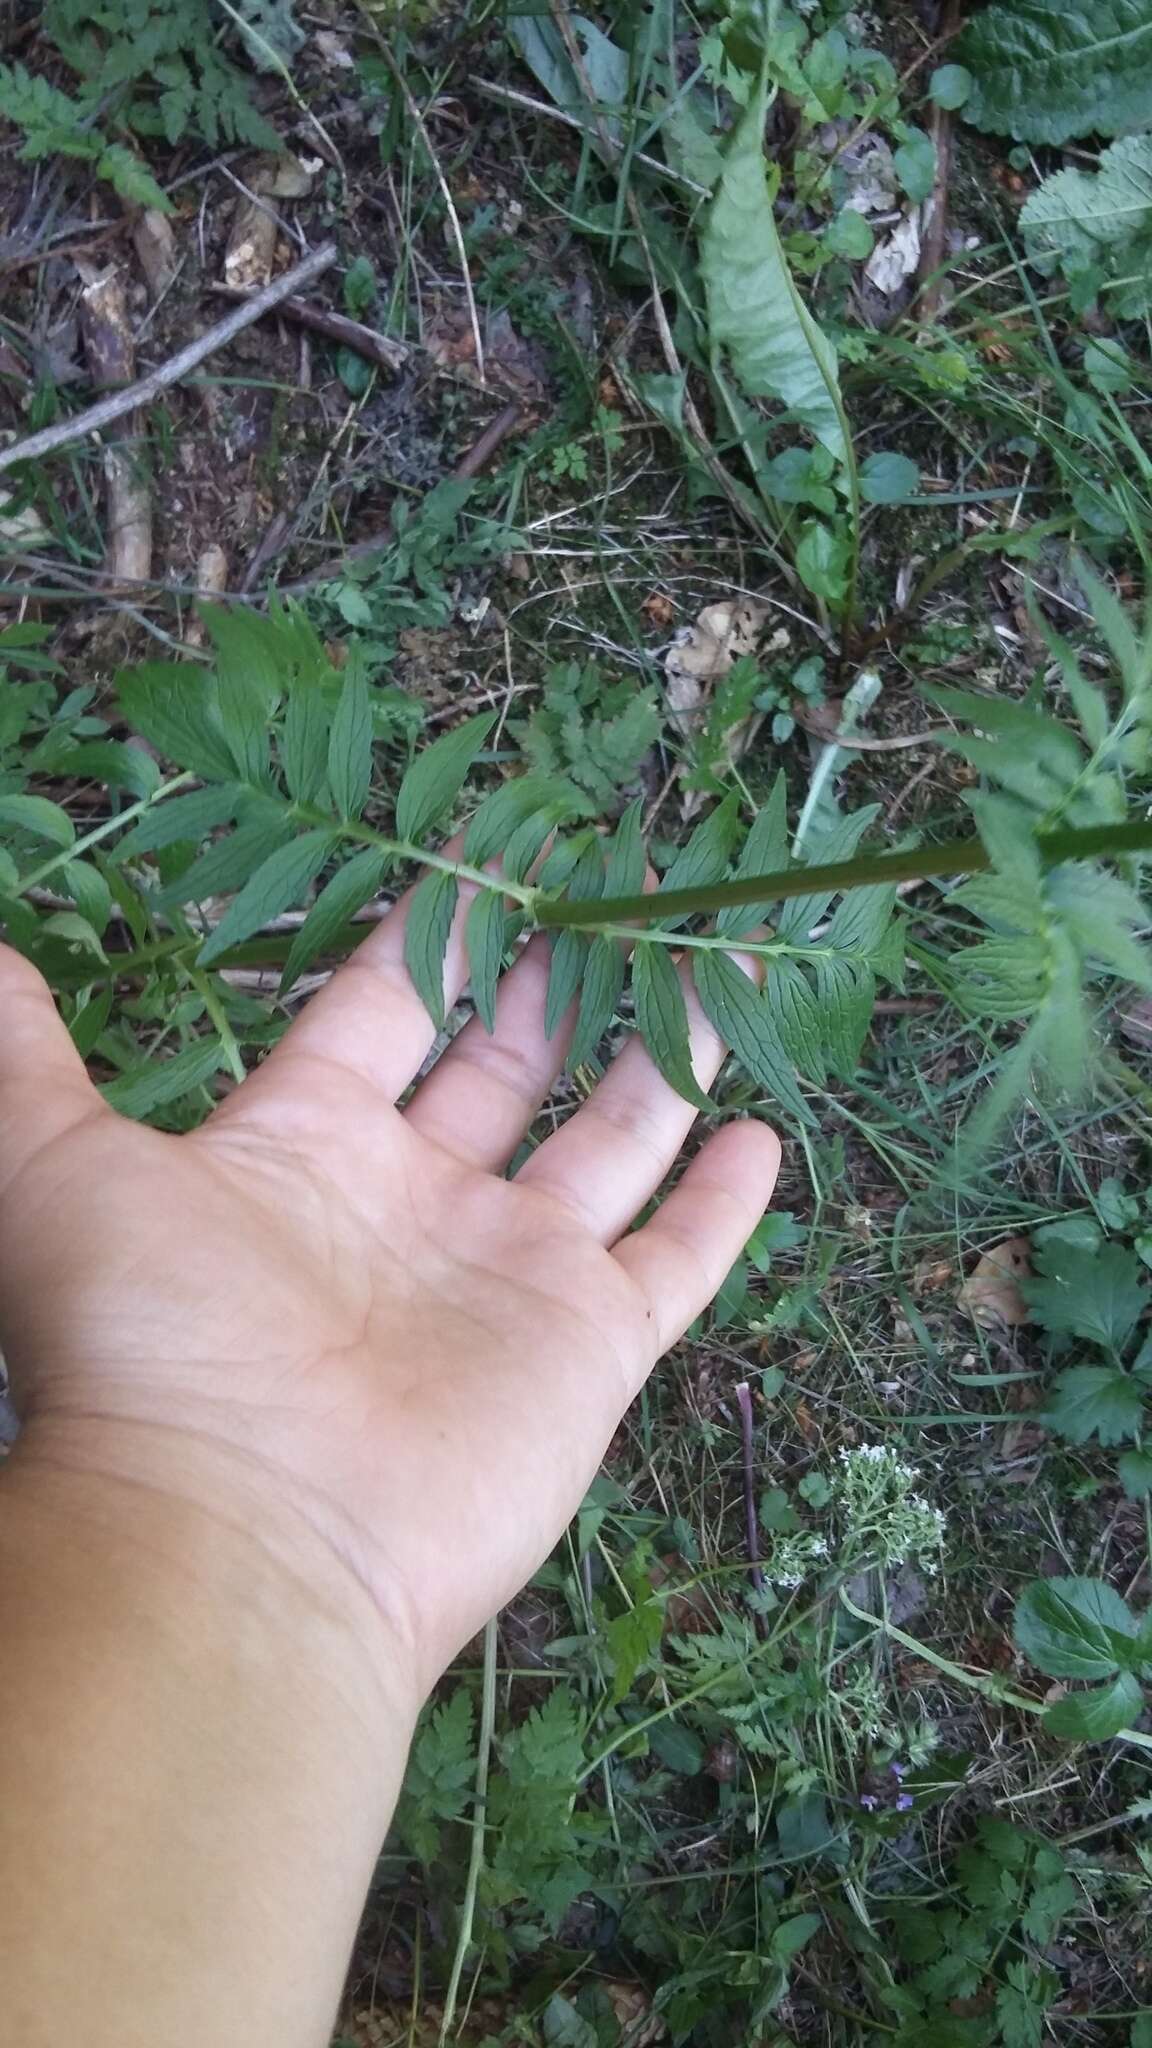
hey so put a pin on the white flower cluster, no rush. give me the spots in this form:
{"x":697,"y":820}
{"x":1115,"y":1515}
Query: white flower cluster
{"x":872,"y":1487}
{"x":795,"y":1558}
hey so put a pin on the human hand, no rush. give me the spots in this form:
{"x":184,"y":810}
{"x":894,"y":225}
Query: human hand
{"x":323,"y":1312}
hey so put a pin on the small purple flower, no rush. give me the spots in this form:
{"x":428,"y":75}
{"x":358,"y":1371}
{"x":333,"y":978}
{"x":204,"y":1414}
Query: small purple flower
{"x":868,"y":1801}
{"x":898,"y":1770}
{"x":904,"y":1802}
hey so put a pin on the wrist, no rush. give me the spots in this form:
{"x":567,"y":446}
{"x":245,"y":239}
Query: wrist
{"x":208,"y":1533}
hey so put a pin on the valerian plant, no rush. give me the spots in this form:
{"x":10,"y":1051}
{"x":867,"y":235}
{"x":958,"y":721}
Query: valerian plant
{"x":281,"y":798}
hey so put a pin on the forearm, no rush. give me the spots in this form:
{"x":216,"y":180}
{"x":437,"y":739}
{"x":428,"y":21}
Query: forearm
{"x":199,"y":1751}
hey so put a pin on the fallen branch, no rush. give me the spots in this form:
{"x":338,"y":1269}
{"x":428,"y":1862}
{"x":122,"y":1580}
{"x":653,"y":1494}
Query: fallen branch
{"x":364,"y":341}
{"x":118,"y":403}
{"x":934,"y":218}
{"x":111,"y":353}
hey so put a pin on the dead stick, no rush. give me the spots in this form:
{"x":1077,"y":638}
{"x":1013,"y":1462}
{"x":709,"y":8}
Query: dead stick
{"x":928,"y":274}
{"x":114,"y":407}
{"x":752,"y":1532}
{"x":364,"y":341}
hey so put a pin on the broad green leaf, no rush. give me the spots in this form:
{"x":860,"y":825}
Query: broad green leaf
{"x":1075,"y":1628}
{"x":252,"y":652}
{"x":822,"y":556}
{"x":189,"y":817}
{"x":1093,"y":1400}
{"x":755,"y":312}
{"x":950,"y":86}
{"x":915,"y":165}
{"x":765,"y":852}
{"x":845,"y":992}
{"x":278,"y":884}
{"x":848,"y":235}
{"x":527,"y":842}
{"x":74,"y":930}
{"x":706,"y":856}
{"x":888,"y":479}
{"x":350,"y":743}
{"x":89,"y":892}
{"x":350,"y":888}
{"x":1096,"y":226}
{"x":797,"y":1016}
{"x":1097,"y":1715}
{"x":1042,"y":739}
{"x":792,"y":1935}
{"x":603,"y":64}
{"x":484,"y":933}
{"x":860,"y":921}
{"x":161,"y":1081}
{"x":1134,"y":1471}
{"x":228,"y":863}
{"x":426,"y":933}
{"x":737,"y":1010}
{"x":112,"y":762}
{"x":436,"y":777}
{"x":600,"y":993}
{"x":1048,"y":70}
{"x":172,"y":705}
{"x":38,"y":817}
{"x":1099,"y":1295}
{"x":304,"y":743}
{"x":662,"y":1019}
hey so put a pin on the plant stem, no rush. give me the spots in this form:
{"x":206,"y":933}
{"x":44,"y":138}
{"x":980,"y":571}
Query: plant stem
{"x":479,"y":1811}
{"x":950,"y":857}
{"x":98,"y":832}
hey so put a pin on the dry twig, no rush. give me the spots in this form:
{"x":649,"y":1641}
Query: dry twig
{"x":64,"y":432}
{"x":364,"y":341}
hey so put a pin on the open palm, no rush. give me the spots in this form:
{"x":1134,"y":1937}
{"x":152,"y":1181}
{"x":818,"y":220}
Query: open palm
{"x":322,"y":1301}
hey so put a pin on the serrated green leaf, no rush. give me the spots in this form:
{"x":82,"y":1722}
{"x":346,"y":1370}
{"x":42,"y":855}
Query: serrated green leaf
{"x":627,"y":857}
{"x":1098,"y":1401}
{"x":1097,"y":1715}
{"x":304,"y":744}
{"x":484,"y":933}
{"x":511,"y":806}
{"x":1048,"y":72}
{"x":160,"y":1081}
{"x":765,"y":852}
{"x":800,"y":913}
{"x":755,"y":312}
{"x":600,"y":993}
{"x":1099,"y":1295}
{"x":112,"y":762}
{"x":570,"y":948}
{"x":426,"y":933}
{"x":350,"y":743}
{"x":737,"y":1010}
{"x":1043,"y":740}
{"x":796,"y":1014}
{"x":278,"y":884}
{"x":1075,"y":1628}
{"x":860,"y":921}
{"x":39,"y":817}
{"x":189,"y":817}
{"x":662,"y":1019}
{"x":1134,"y":1471}
{"x":350,"y":888}
{"x":436,"y":777}
{"x":252,"y":653}
{"x":707,"y":854}
{"x":845,"y":993}
{"x":172,"y":705}
{"x":130,"y":177}
{"x":89,"y":892}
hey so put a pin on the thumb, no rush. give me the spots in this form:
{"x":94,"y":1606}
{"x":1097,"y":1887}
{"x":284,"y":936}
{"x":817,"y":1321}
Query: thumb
{"x":44,"y":1088}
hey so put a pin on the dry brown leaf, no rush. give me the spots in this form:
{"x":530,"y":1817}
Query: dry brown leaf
{"x":895,"y":258}
{"x":703,"y":653}
{"x":659,"y":608}
{"x":251,"y":251}
{"x":931,"y":1275}
{"x":155,"y":246}
{"x":991,"y":1294}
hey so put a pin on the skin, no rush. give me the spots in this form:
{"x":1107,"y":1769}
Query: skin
{"x":307,"y":1395}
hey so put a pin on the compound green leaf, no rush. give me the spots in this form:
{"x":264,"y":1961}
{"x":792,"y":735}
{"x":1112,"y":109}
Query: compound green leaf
{"x":278,"y":883}
{"x":158,"y":1082}
{"x":755,"y":312}
{"x":1100,"y":1295}
{"x":436,"y":777}
{"x":1097,"y":1715}
{"x":627,"y":859}
{"x":509,"y":808}
{"x":228,"y":863}
{"x":800,"y":913}
{"x":484,"y":934}
{"x":662,"y":1019}
{"x":426,"y":933}
{"x":350,"y":888}
{"x":1075,"y":1628}
{"x":705,"y":857}
{"x":845,"y":992}
{"x":350,"y":743}
{"x":570,"y":948}
{"x":765,"y":852}
{"x":797,"y":1017}
{"x":738,"y":1011}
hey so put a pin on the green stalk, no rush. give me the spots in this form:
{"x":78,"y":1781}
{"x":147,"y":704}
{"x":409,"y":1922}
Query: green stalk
{"x":951,"y":857}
